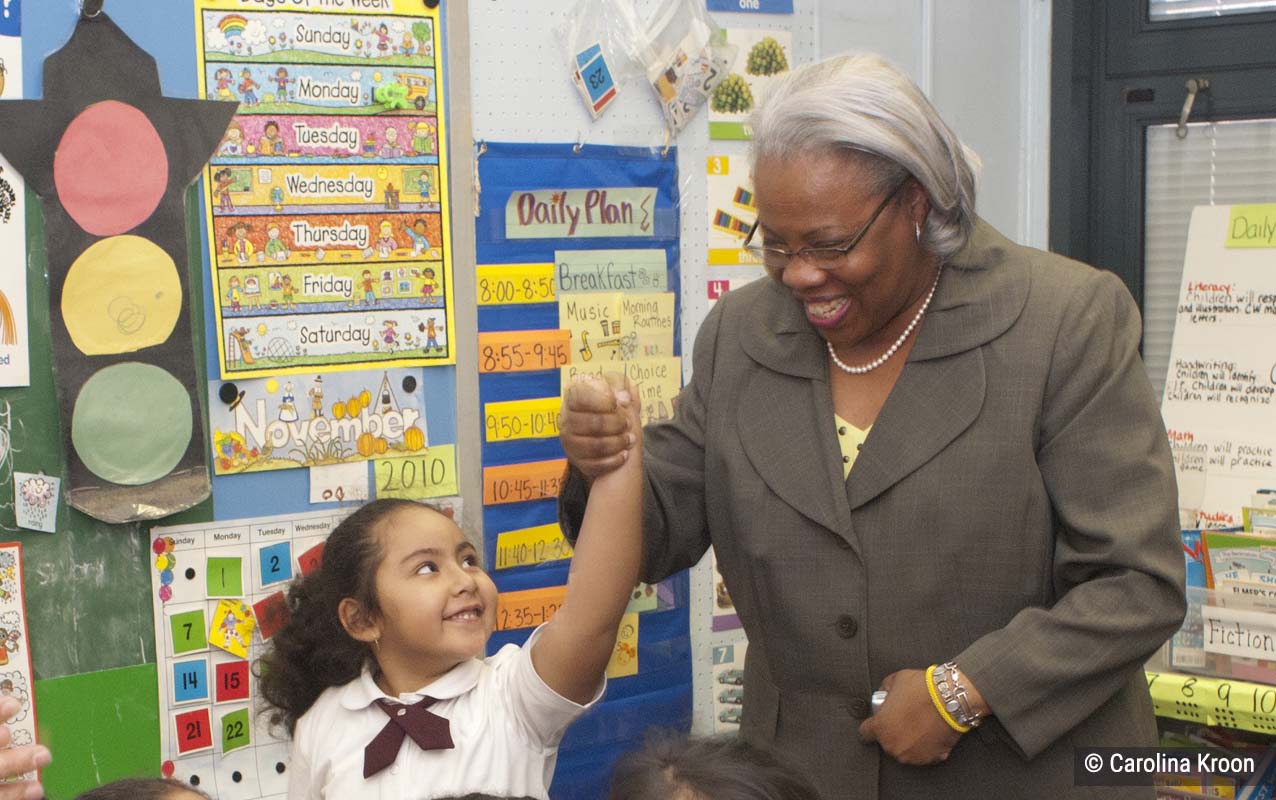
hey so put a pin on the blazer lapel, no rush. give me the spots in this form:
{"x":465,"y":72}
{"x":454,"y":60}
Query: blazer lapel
{"x":941,"y":390}
{"x":787,"y":409}
{"x":931,"y":404}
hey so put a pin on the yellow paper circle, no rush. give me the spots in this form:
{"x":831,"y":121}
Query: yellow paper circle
{"x":161,"y":562}
{"x":121,"y":295}
{"x":272,"y":385}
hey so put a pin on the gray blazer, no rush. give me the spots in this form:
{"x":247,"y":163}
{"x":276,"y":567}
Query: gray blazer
{"x":1013,"y":508}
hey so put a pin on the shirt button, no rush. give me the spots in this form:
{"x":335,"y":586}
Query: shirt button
{"x":846,"y":459}
{"x":841,"y":431}
{"x":858,"y":707}
{"x":400,"y":712}
{"x":847,"y":626}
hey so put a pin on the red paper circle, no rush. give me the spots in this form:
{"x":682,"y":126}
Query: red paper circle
{"x":167,"y":769}
{"x":110,"y":168}
{"x":157,"y":546}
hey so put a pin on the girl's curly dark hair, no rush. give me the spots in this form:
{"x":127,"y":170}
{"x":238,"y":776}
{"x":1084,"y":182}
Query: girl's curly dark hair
{"x":140,"y":789}
{"x":313,"y":651}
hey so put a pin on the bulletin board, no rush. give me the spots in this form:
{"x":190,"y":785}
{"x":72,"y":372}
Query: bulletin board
{"x":88,"y":585}
{"x":578,"y":254}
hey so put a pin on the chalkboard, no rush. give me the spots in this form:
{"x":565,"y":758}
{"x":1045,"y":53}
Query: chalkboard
{"x":87,"y":586}
{"x":88,"y":589}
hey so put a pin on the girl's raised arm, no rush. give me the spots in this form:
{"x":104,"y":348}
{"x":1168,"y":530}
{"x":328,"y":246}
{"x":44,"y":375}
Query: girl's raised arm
{"x":573,"y":649}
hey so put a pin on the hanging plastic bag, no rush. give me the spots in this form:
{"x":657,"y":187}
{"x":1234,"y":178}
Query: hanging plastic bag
{"x":601,"y":40}
{"x":685,"y":59}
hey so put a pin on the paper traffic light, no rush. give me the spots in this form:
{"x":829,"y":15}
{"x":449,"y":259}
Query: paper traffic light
{"x":111,"y":158}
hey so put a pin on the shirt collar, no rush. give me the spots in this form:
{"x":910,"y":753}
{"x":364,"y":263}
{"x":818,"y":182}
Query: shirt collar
{"x":363,"y":691}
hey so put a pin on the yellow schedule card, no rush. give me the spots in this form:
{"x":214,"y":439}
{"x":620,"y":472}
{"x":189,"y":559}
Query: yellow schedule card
{"x":522,"y":419}
{"x":515,"y":284}
{"x":528,"y":546}
{"x":624,"y":659}
{"x":428,"y":473}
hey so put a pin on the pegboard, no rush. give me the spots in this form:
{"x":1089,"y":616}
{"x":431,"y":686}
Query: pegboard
{"x":521,"y":92}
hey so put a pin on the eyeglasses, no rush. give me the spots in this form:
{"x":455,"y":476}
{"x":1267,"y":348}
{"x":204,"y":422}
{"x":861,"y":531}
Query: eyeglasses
{"x":822,"y":257}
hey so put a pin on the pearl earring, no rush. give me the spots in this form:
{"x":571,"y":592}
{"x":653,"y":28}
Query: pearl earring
{"x":917,"y":232}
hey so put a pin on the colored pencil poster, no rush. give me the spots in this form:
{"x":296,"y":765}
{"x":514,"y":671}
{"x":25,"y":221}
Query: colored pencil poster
{"x":328,"y":224}
{"x":731,"y":210}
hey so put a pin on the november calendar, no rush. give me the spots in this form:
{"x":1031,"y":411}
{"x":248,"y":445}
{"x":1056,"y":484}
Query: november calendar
{"x":218,"y":594}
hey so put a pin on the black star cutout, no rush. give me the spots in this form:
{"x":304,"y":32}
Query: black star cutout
{"x":100,"y":63}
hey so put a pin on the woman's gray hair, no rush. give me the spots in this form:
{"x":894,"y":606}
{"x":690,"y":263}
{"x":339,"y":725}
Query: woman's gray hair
{"x":862,"y":104}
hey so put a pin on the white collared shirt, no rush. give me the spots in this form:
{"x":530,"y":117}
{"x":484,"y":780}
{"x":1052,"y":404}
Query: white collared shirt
{"x":505,"y":721}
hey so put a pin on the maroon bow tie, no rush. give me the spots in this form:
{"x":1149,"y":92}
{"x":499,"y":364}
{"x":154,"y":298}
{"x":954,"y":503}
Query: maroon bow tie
{"x":428,"y":730}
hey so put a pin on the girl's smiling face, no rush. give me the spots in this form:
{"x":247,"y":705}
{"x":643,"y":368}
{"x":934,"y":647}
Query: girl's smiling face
{"x":437,"y":607}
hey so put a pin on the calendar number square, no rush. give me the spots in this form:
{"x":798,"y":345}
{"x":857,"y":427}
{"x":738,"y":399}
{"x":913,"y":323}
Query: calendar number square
{"x":235,"y":730}
{"x":272,"y":614}
{"x":190,"y":680}
{"x":194,"y":731}
{"x":188,"y":630}
{"x":276,"y":563}
{"x":310,"y":560}
{"x":225,"y":577}
{"x":232,"y":681}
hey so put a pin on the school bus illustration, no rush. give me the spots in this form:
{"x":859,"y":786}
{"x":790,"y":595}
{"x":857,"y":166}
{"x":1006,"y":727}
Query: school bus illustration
{"x":418,"y":88}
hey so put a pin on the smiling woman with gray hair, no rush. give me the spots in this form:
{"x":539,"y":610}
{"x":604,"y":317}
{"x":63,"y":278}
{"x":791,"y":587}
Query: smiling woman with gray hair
{"x":929,"y":460}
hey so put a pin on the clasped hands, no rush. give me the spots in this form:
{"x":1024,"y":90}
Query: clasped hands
{"x":592,"y":425}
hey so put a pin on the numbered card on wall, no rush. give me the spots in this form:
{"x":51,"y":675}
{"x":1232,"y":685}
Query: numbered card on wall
{"x":731,"y":210}
{"x":728,"y":686}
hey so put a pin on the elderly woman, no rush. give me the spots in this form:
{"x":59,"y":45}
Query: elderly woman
{"x":929,"y":460}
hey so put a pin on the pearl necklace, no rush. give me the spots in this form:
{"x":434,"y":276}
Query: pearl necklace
{"x":890,"y":351}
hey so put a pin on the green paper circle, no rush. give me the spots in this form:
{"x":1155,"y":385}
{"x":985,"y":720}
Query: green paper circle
{"x":131,"y":423}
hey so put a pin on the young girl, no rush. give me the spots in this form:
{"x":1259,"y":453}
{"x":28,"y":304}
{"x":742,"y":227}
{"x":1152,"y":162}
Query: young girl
{"x":379,"y":674}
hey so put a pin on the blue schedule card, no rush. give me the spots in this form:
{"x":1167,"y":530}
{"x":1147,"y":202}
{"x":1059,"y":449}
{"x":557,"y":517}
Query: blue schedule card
{"x":752,"y":6}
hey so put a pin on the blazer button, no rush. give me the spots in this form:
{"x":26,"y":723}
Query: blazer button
{"x":847,"y":627}
{"x":858,"y":708}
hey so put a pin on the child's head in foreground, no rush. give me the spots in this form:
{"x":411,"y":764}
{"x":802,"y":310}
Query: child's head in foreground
{"x":400,"y":588}
{"x":144,"y":789}
{"x":673,"y":767}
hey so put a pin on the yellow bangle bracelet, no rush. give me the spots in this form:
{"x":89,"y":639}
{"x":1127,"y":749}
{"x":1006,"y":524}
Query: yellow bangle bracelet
{"x":939,"y":705}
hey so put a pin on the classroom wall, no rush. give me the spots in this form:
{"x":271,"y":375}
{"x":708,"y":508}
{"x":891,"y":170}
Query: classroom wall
{"x":985,"y":64}
{"x":95,"y":682}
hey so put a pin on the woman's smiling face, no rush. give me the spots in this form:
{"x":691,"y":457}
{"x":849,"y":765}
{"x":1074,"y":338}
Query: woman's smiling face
{"x":822,"y":200}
